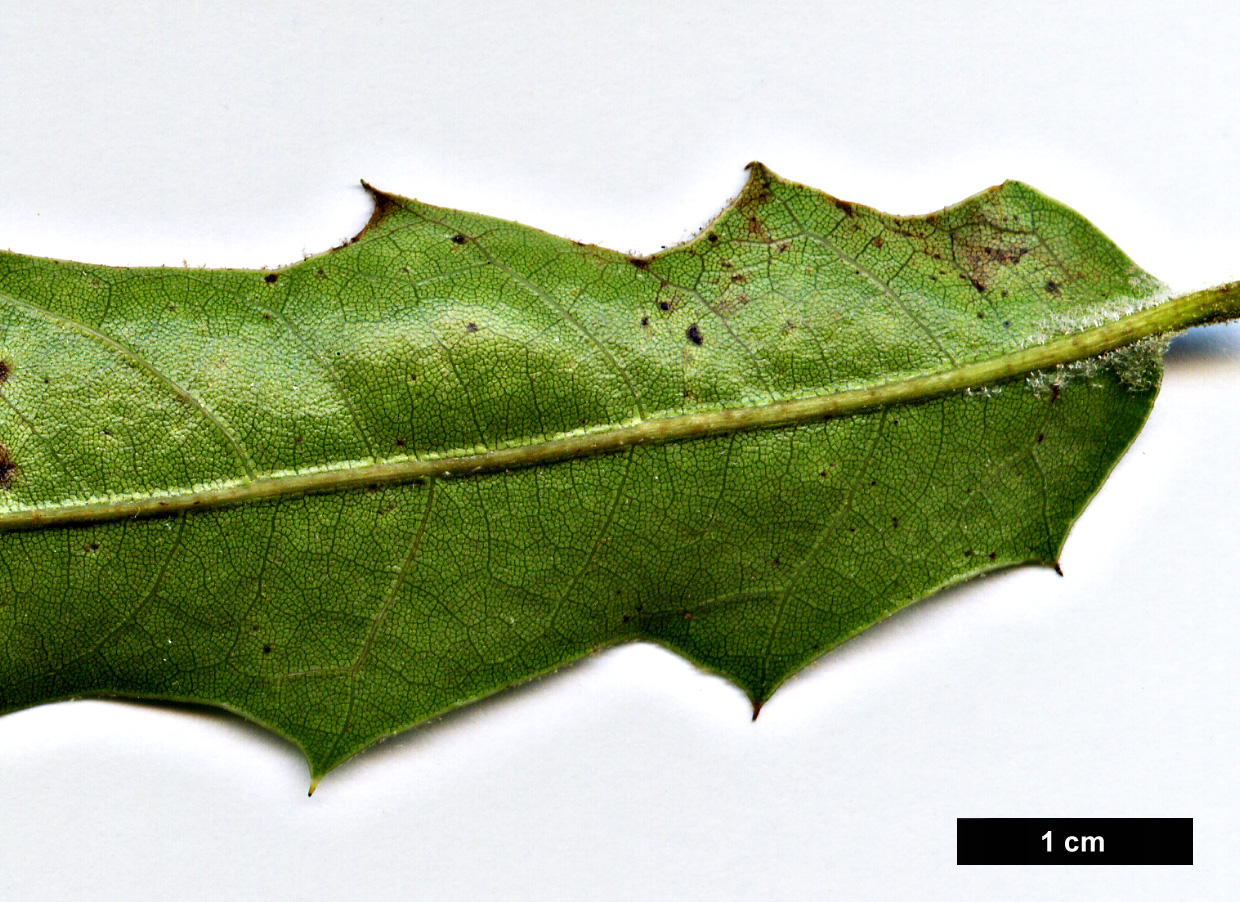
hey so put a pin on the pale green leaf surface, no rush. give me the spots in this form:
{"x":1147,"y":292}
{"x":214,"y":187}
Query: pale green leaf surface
{"x":413,"y":570}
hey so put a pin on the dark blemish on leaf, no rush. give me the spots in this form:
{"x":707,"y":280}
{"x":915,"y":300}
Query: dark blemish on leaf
{"x":968,"y":554}
{"x":843,"y":206}
{"x":1054,"y":393}
{"x":458,"y":239}
{"x":298,"y":440}
{"x":664,"y":306}
{"x":92,"y":547}
{"x":1041,"y":435}
{"x":172,"y":308}
{"x":253,"y":627}
{"x":726,"y":264}
{"x":1052,"y":288}
{"x":694,"y":334}
{"x":5,"y":369}
{"x":625,"y":619}
{"x":775,"y":562}
{"x":266,"y":649}
{"x":712,"y":237}
{"x":873,"y":482}
{"x":981,"y":315}
{"x":1003,"y":293}
{"x":784,"y":246}
{"x":1007,"y":324}
{"x":472,"y":327}
{"x":977,"y":283}
{"x":876,"y":241}
{"x":757,"y":229}
{"x":640,"y":262}
{"x":400,"y":443}
{"x":992,"y":555}
{"x":688,"y":616}
{"x":1058,"y":569}
{"x":319,"y":274}
{"x":271,"y":278}
{"x":645,"y":321}
{"x":740,"y":277}
{"x":895,"y":523}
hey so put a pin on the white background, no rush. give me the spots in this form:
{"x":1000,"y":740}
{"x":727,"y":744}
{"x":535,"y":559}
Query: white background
{"x":218,"y":134}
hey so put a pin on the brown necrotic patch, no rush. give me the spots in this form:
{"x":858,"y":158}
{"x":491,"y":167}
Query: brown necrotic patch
{"x":5,"y":369}
{"x":8,"y":469}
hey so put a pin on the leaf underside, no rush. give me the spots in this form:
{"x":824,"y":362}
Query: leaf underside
{"x":343,"y":615}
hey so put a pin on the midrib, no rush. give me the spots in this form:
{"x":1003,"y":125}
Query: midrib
{"x":1210,"y":305}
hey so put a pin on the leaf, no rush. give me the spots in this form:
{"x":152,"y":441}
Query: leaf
{"x":343,"y":497}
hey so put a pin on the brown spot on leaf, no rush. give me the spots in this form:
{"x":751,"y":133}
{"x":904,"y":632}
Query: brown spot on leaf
{"x":740,"y":277}
{"x":5,"y":369}
{"x":266,"y":649}
{"x":458,"y":239}
{"x":271,"y":278}
{"x":844,"y":207}
{"x":694,"y":334}
{"x":471,"y":327}
{"x":8,"y":469}
{"x":1052,"y":287}
{"x":640,"y":262}
{"x":876,"y":241}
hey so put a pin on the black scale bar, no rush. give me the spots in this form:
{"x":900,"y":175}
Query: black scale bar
{"x":1073,"y":840}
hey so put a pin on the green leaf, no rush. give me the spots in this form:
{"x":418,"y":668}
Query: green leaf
{"x":343,"y":497}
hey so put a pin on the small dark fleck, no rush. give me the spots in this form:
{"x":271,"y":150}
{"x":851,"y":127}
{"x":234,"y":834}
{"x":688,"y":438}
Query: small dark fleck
{"x":93,"y":546}
{"x":458,"y":239}
{"x":1041,"y":435}
{"x":895,"y":523}
{"x":775,"y":562}
{"x":298,"y":440}
{"x":981,"y":315}
{"x":271,"y":278}
{"x":1054,"y":393}
{"x":664,"y":306}
{"x":1007,"y":324}
{"x":5,"y":369}
{"x":688,"y":616}
{"x":266,"y":315}
{"x":873,"y":482}
{"x":1003,"y":293}
{"x":978,"y":284}
{"x":992,"y":555}
{"x":740,"y":277}
{"x":640,"y":262}
{"x":694,"y":334}
{"x":968,"y":554}
{"x":472,"y":327}
{"x":625,"y":619}
{"x":876,"y":241}
{"x":712,"y":237}
{"x":253,"y":627}
{"x":400,"y":443}
{"x":1052,"y":288}
{"x":319,"y":274}
{"x":843,"y":206}
{"x":645,"y":321}
{"x":266,"y":649}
